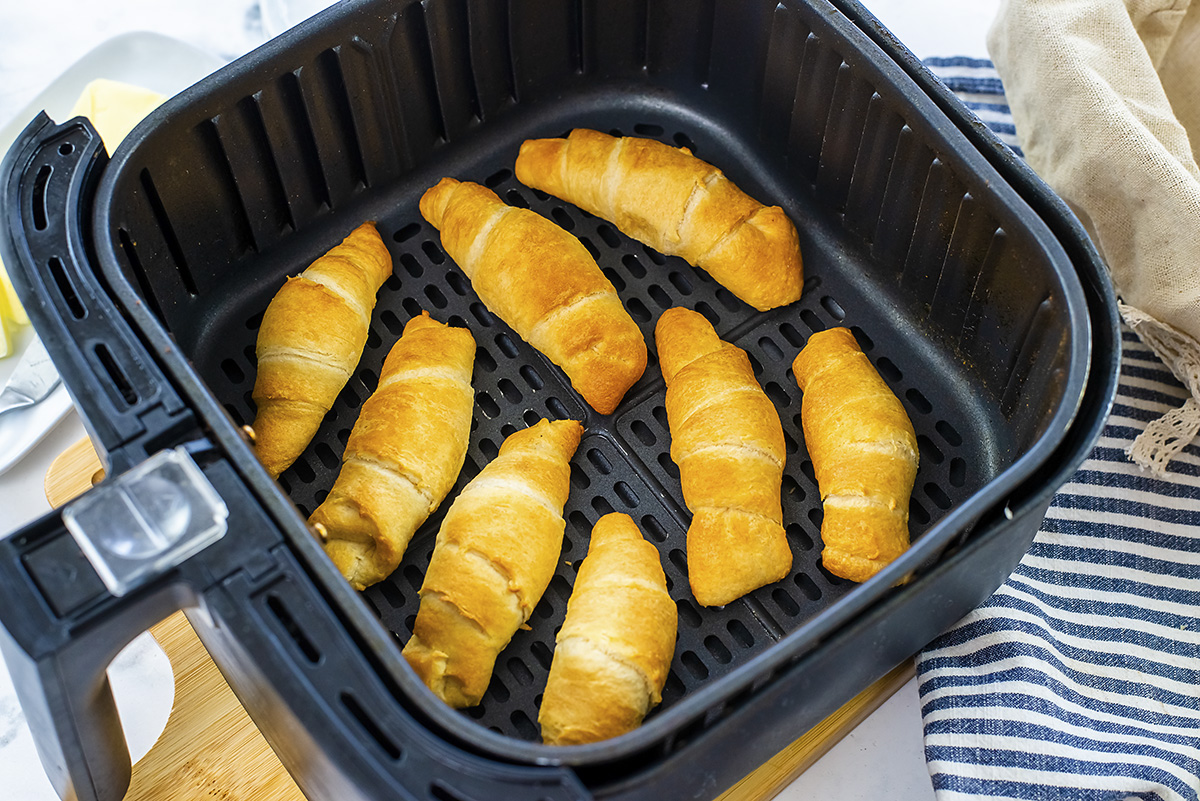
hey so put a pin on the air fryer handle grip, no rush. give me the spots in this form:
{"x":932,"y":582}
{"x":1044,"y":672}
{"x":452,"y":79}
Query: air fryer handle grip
{"x":50,"y":175}
{"x":61,"y":629}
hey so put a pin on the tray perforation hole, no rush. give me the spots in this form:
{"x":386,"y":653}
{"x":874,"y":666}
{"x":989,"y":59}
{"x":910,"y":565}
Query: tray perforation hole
{"x":411,"y":307}
{"x":557,"y":409}
{"x":652,"y":527}
{"x":634,"y":266}
{"x":393,"y":595}
{"x":741,"y":635}
{"x":592,"y":250}
{"x":626,"y":494}
{"x":668,"y":465}
{"x":807,"y":586}
{"x":811,"y":320}
{"x":649,"y":129}
{"x":659,"y":296}
{"x":515,"y":198}
{"x":327,"y":456}
{"x":614,"y":278}
{"x":609,"y":235}
{"x":433,"y":251}
{"x":785,"y":602}
{"x":489,"y":449}
{"x":506,"y":345}
{"x":541,"y":652}
{"x":792,"y":335}
{"x":939,"y":497}
{"x":713,"y":318}
{"x":602,"y":506}
{"x":563,"y":218}
{"x":949,"y":433}
{"x":484,"y":360}
{"x":407,"y":232}
{"x":520,"y":671}
{"x":958,"y":472}
{"x":694,"y":665}
{"x":680,"y":282}
{"x":834,"y":308}
{"x":487,"y":404}
{"x":579,"y":479}
{"x":411,"y":266}
{"x":919,"y":401}
{"x":509,"y":391}
{"x":233,"y":371}
{"x":797,"y":534}
{"x":498,"y":177}
{"x":436,"y":297}
{"x":917,"y":513}
{"x":718,"y":650}
{"x":523,"y":724}
{"x":888,"y":369}
{"x":637,"y":310}
{"x":929,"y":451}
{"x":456,"y":282}
{"x":779,"y":395}
{"x":391,"y":322}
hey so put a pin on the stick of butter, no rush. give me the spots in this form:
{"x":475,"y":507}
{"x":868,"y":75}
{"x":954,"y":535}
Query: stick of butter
{"x":114,"y":108}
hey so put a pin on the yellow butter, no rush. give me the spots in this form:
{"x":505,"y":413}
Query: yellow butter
{"x":114,"y":108}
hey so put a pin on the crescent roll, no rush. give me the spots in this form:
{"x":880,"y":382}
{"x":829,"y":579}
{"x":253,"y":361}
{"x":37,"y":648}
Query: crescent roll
{"x":310,"y":341}
{"x":614,"y":649}
{"x":495,"y":554}
{"x":404,"y":454}
{"x":677,"y":204}
{"x":864,"y":454}
{"x":542,"y":281}
{"x":727,"y":440}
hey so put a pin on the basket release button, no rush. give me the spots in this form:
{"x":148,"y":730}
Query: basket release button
{"x":147,"y":520}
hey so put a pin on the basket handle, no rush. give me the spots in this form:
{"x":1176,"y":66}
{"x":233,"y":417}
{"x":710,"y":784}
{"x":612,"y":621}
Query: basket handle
{"x":60,"y":626}
{"x":49,"y":179}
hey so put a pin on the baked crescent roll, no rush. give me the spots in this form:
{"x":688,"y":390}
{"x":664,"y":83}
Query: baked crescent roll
{"x":614,"y":649}
{"x":405,"y":452}
{"x":677,"y":204}
{"x":864,"y":453}
{"x":310,"y":341}
{"x":495,"y":554}
{"x":728,"y":443}
{"x":542,"y":281}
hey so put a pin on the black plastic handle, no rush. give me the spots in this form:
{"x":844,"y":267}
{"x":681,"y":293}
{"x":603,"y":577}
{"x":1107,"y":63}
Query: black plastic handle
{"x":61,"y":628}
{"x":60,"y":625}
{"x":49,"y":180}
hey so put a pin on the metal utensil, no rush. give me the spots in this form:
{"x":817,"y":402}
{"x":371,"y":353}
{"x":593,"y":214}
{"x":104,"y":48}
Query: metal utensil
{"x":34,"y":379}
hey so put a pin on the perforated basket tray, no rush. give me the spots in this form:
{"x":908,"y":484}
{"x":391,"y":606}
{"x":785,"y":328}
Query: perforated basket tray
{"x":959,"y":292}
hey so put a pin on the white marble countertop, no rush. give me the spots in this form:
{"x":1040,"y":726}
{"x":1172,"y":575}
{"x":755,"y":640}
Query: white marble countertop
{"x":882,"y":758}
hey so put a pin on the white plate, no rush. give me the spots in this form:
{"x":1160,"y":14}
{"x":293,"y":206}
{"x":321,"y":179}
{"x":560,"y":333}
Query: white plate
{"x":149,"y":60}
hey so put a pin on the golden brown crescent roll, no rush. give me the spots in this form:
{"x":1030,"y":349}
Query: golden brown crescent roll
{"x":542,"y":281}
{"x":728,"y":443}
{"x":677,"y":204}
{"x":405,"y":452}
{"x":495,"y":554}
{"x":864,"y":454}
{"x":310,"y":341}
{"x":614,"y":649}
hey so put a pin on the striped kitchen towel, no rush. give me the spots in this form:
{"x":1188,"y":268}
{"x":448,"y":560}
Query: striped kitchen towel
{"x":1080,"y":677}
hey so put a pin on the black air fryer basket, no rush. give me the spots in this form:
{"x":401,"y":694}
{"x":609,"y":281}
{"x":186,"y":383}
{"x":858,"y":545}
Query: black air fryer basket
{"x":967,"y":282}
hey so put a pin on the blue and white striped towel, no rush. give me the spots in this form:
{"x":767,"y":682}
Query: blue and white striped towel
{"x":1080,"y":677}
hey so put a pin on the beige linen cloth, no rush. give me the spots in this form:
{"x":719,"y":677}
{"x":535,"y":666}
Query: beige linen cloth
{"x":1105,"y":95}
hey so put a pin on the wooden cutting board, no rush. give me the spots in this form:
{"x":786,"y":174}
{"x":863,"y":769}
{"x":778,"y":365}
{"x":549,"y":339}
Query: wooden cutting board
{"x":210,"y":749}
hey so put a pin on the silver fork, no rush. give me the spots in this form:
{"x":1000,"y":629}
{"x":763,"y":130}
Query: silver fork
{"x":34,"y":379}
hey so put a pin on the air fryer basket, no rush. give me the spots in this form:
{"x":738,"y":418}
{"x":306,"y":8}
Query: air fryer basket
{"x":962,"y":295}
